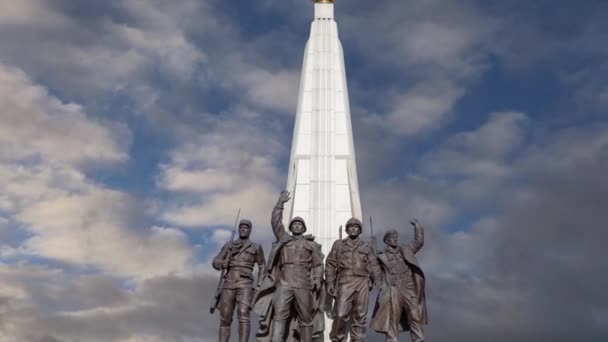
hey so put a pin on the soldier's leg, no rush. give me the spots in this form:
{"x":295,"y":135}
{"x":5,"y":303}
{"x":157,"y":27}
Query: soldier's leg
{"x":227,"y":302}
{"x":282,"y":300}
{"x":304,"y":308}
{"x":414,"y":316}
{"x":243,"y":298}
{"x":359,"y":311}
{"x":343,"y":306}
{"x":397,"y":303}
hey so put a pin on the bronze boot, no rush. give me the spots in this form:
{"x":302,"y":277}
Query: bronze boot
{"x":244,"y":329}
{"x":278,"y":331}
{"x":306,"y":333}
{"x":224,"y":333}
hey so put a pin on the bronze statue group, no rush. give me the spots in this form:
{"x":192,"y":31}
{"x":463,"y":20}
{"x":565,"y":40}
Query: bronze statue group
{"x":295,"y":289}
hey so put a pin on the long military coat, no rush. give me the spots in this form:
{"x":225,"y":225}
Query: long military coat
{"x":382,"y":310}
{"x":263,"y":299}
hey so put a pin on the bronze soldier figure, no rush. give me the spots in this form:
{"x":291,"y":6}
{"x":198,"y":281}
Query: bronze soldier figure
{"x":238,"y":258}
{"x":401,"y":303}
{"x":348,"y":268}
{"x":290,"y":291}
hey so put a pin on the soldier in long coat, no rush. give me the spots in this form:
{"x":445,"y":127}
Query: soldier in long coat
{"x":401,"y":303}
{"x":238,"y":258}
{"x":289,"y":297}
{"x":348,"y":268}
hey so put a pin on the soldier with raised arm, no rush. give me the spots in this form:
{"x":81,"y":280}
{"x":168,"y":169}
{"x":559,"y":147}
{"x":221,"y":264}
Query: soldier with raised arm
{"x":295,"y":275}
{"x":238,"y":258}
{"x":348,"y":268}
{"x":401,"y":303}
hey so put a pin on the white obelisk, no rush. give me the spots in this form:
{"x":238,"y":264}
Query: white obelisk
{"x":322,"y":170}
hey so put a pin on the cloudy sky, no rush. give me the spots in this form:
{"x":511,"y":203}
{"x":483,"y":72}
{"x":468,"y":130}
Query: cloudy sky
{"x":131,"y":131}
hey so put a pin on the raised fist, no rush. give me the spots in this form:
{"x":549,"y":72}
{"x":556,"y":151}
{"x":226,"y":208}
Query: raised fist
{"x":415,"y":222}
{"x":225,"y":264}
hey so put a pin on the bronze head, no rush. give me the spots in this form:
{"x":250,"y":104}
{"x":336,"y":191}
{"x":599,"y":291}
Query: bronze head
{"x":353,"y":228}
{"x":245,"y":228}
{"x":297,"y":226}
{"x":391,"y":238}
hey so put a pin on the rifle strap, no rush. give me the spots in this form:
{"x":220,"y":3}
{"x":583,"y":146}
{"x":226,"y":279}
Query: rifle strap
{"x":338,"y":258}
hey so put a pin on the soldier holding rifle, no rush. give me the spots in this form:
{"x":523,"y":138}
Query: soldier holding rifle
{"x":348,"y":268}
{"x":236,"y":260}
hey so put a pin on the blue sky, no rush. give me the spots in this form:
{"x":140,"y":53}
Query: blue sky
{"x":131,"y":131}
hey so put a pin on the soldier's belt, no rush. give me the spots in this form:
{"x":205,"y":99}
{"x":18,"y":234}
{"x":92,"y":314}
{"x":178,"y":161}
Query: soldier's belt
{"x":353,"y":273}
{"x":242,"y":271}
{"x":293,"y":265}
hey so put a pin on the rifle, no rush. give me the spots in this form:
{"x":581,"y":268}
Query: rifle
{"x":220,"y":285}
{"x":371,"y":231}
{"x":329,"y":300}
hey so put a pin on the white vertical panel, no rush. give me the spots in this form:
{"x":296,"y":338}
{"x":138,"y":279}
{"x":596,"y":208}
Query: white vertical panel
{"x":303,"y":147}
{"x":342,"y":148}
{"x":303,"y":171}
{"x":301,"y":198}
{"x":341,"y":122}
{"x":305,"y":123}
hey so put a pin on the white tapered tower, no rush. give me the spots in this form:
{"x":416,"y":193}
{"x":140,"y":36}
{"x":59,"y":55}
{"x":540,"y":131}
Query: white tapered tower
{"x":322,"y":170}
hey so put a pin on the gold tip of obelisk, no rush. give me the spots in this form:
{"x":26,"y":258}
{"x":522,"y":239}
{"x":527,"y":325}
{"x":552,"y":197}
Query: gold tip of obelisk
{"x":324,"y":1}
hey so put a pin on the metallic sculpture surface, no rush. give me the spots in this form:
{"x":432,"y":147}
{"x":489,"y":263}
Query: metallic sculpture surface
{"x":348,"y":269}
{"x":237,"y":259}
{"x":401,"y":303}
{"x":289,"y":299}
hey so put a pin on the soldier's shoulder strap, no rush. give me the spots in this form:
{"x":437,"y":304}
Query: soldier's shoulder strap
{"x":382,"y":257}
{"x":309,"y":237}
{"x":244,"y":247}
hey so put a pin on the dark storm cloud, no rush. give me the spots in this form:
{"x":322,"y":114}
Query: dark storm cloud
{"x":169,"y":308}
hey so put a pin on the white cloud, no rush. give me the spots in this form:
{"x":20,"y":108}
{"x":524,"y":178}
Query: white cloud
{"x":39,"y":303}
{"x":94,"y":229}
{"x":45,"y":147}
{"x":24,"y":11}
{"x":275,"y":90}
{"x":37,"y":125}
{"x":106,"y":54}
{"x":211,"y":176}
{"x":420,"y":109}
{"x":482,"y":152}
{"x":435,"y":58}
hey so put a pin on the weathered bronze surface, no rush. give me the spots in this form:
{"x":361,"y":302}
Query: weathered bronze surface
{"x":348,"y":268}
{"x":289,"y":300}
{"x":401,"y":303}
{"x":237,"y":259}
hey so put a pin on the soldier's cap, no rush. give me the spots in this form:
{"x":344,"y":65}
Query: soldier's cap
{"x":297,"y":219}
{"x":246,"y":222}
{"x":390,"y":233}
{"x":354,"y":220}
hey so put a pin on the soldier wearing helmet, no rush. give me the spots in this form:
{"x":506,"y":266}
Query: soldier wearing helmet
{"x":348,"y":268}
{"x":238,"y":258}
{"x":295,"y":274}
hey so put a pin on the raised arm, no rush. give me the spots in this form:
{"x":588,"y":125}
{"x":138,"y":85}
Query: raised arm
{"x":277,"y":216}
{"x":261,"y":261}
{"x":418,"y":241}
